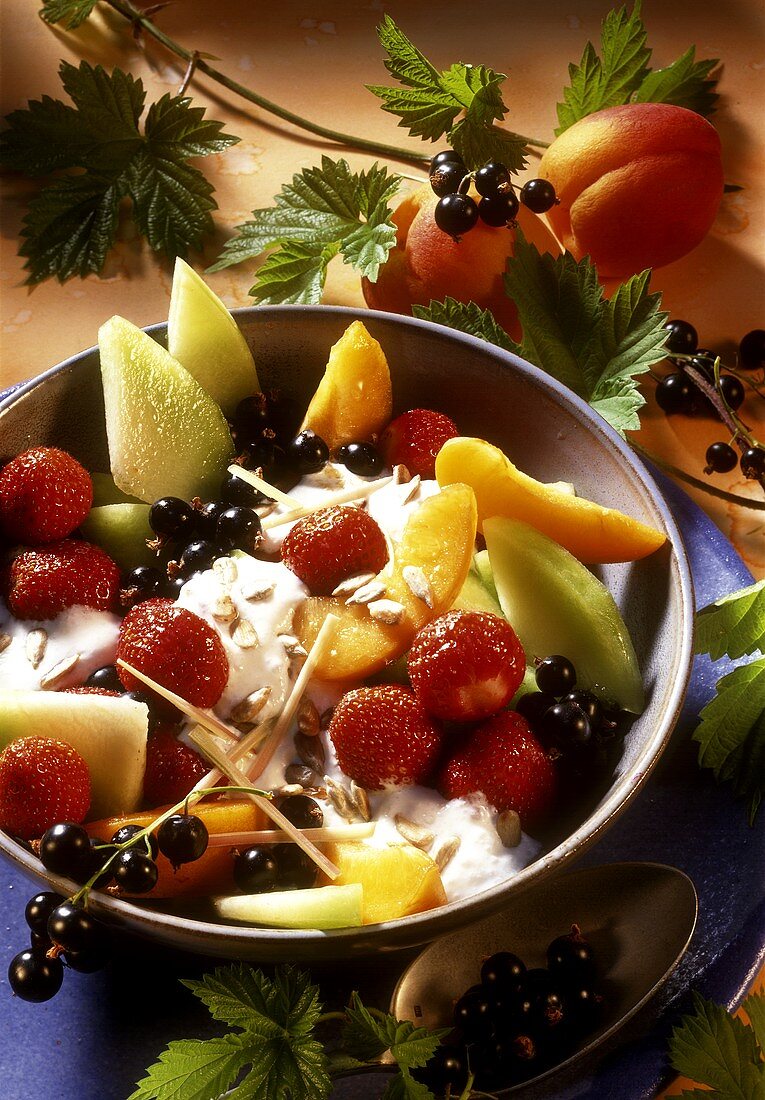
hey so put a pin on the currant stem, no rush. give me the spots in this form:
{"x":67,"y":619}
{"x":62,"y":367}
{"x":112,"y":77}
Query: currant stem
{"x":721,"y":494}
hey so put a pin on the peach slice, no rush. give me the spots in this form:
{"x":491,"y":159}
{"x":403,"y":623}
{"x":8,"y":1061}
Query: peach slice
{"x":587,"y":530}
{"x":438,"y":539}
{"x":354,"y":400}
{"x":213,"y":872}
{"x":398,"y":879}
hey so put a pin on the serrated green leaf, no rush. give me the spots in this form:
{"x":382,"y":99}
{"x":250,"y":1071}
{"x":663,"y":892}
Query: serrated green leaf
{"x":754,"y":1007}
{"x":47,"y":135}
{"x":622,"y":410}
{"x":405,"y":62}
{"x":468,"y":318}
{"x":71,"y":13}
{"x":296,"y":273}
{"x":194,"y":1069}
{"x":476,"y":145}
{"x":177,"y":131}
{"x":731,"y":734}
{"x":366,"y":1037}
{"x":404,"y":1087}
{"x":717,"y":1050}
{"x":171,"y":203}
{"x":734,"y":624}
{"x":234,"y":994}
{"x":425,"y":114}
{"x":685,"y":83}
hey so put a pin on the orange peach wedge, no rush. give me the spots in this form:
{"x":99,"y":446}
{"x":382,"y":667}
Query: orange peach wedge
{"x":398,"y":880}
{"x":587,"y":530}
{"x":354,"y":399}
{"x":438,"y":542}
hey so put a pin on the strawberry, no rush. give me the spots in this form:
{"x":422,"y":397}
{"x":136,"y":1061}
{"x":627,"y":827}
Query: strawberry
{"x":331,"y":544}
{"x":90,"y":689}
{"x":382,"y":735}
{"x":42,"y":782}
{"x":44,"y":582}
{"x":172,"y":768}
{"x":507,"y":764}
{"x":415,"y":438}
{"x":466,"y":665}
{"x":44,"y":495}
{"x":176,"y":648}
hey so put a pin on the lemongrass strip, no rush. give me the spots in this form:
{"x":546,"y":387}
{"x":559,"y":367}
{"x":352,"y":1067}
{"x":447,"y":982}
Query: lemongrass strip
{"x":273,"y":740}
{"x":248,"y":743}
{"x":207,"y":745}
{"x":359,"y":492}
{"x":265,"y":488}
{"x":202,"y":717}
{"x":326,"y":835}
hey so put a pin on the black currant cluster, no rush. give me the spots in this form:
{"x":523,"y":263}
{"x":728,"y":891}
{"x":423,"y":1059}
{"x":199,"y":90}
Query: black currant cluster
{"x":567,"y":720}
{"x":63,"y":931}
{"x":517,"y":1023}
{"x":266,"y":867}
{"x":457,"y":212}
{"x":678,"y":393}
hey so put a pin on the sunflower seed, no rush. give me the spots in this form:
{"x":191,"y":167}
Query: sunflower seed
{"x":352,"y":584}
{"x":308,"y":717}
{"x":300,"y":774}
{"x":447,"y":852}
{"x":360,"y":800}
{"x":5,"y":641}
{"x":224,"y":610}
{"x":509,"y":828}
{"x":418,"y":584}
{"x":59,"y":671}
{"x":263,"y":510}
{"x":372,"y":590}
{"x":244,"y":635}
{"x":340,"y":799}
{"x":386,"y":611}
{"x":289,"y":788}
{"x":311,"y":751}
{"x":35,"y":646}
{"x":225,"y":570}
{"x":257,"y":590}
{"x":292,"y":646}
{"x":413,"y":489}
{"x":401,"y":475}
{"x":415,"y":833}
{"x":326,"y":718}
{"x":250,"y":707}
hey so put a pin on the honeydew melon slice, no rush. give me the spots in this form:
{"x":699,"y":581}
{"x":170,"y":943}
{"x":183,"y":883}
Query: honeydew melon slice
{"x":206,"y":340}
{"x":109,"y":734}
{"x":476,"y":595}
{"x":121,"y":530}
{"x":321,"y":907}
{"x":167,"y":437}
{"x":555,"y":605}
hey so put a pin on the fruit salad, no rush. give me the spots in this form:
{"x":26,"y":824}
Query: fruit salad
{"x":325,"y":667}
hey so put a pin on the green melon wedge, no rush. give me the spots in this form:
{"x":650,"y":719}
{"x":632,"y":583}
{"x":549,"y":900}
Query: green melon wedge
{"x":322,"y":907}
{"x":476,"y":595}
{"x":121,"y":530}
{"x":108,"y":733}
{"x":167,"y":437}
{"x":555,"y":605}
{"x":205,"y":339}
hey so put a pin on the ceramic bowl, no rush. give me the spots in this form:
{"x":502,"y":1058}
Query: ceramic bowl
{"x":549,"y":433}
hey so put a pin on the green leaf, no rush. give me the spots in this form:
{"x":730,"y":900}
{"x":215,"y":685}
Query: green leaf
{"x":404,"y":1087}
{"x":731,"y":734}
{"x":685,"y":83}
{"x":431,"y":102}
{"x":234,"y":994}
{"x":734,"y":624}
{"x":194,"y":1069}
{"x":324,"y":211}
{"x":468,"y":318}
{"x":717,"y":1050}
{"x":366,"y":1037}
{"x":69,"y":12}
{"x":754,"y":1006}
{"x":71,"y":224}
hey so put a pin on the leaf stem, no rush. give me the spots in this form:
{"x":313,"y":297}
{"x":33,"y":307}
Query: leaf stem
{"x":732,"y":498}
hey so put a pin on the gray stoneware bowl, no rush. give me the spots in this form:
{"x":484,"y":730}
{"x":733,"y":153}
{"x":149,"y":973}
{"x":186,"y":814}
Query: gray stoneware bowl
{"x":549,"y":433}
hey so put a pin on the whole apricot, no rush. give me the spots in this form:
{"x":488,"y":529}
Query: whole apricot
{"x":427,"y":264}
{"x":638,"y":185}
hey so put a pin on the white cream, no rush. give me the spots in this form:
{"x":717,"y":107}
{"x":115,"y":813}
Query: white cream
{"x":78,"y":630}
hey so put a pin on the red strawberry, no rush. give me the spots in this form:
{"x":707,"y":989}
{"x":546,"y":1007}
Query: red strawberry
{"x":44,"y":582}
{"x":331,"y":544}
{"x":382,"y":735}
{"x":172,"y":768}
{"x":42,"y":782}
{"x":174,"y":647}
{"x":415,"y":438}
{"x":507,"y":764}
{"x":466,"y":665}
{"x":90,"y":689}
{"x":44,"y":495}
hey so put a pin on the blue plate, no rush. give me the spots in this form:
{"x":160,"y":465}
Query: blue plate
{"x":96,"y":1038}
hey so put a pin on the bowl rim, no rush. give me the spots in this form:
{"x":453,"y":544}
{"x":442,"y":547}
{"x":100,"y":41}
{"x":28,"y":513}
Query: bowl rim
{"x":423,"y":927}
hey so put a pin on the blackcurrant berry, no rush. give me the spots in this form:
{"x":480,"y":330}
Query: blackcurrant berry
{"x":72,"y":928}
{"x":34,"y":977}
{"x":566,"y":726}
{"x":259,"y":455}
{"x":39,"y":908}
{"x":296,"y":870}
{"x":589,"y":703}
{"x":752,"y":462}
{"x":555,"y":674}
{"x":732,"y":391}
{"x":498,"y":210}
{"x":308,"y":452}
{"x":705,"y":365}
{"x":256,"y":870}
{"x":538,"y":195}
{"x":106,"y":678}
{"x":286,"y":414}
{"x":198,"y":556}
{"x":503,"y":970}
{"x":146,"y":844}
{"x":207,"y":519}
{"x":183,"y":838}
{"x":235,"y":490}
{"x":65,"y":849}
{"x":135,"y":872}
{"x":239,"y":529}
{"x":446,"y":178}
{"x":172,"y":587}
{"x":448,"y":1068}
{"x":721,"y":458}
{"x":751,"y":350}
{"x":533,"y":705}
{"x":492,"y":179}
{"x":675,"y":393}
{"x":142,"y":583}
{"x":302,"y":811}
{"x":448,"y":156}
{"x":682,"y":337}
{"x":472,"y":1014}
{"x":171,"y":517}
{"x":570,"y":959}
{"x":584,"y":1009}
{"x":548,"y":1012}
{"x":456,"y":214}
{"x":362,"y":459}
{"x":250,"y":418}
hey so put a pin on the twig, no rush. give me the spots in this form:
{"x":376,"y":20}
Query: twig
{"x":732,"y":498}
{"x":190,"y":68}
